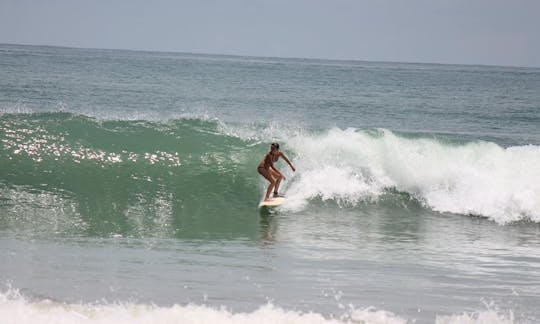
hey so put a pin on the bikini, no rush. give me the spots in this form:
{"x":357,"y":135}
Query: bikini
{"x":263,"y":166}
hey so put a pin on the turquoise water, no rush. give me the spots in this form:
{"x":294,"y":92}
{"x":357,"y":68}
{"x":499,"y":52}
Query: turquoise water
{"x":129,"y":191}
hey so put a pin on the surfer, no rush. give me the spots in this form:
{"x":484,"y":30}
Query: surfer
{"x":268,"y":170}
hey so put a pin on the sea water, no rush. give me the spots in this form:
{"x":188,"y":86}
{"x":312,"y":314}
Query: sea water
{"x":129,"y":190}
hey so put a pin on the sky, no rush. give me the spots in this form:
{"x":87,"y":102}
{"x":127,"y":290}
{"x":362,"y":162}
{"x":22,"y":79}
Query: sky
{"x":488,"y":32}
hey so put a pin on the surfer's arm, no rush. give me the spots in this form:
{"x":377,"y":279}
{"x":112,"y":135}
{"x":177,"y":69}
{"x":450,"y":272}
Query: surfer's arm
{"x":287,"y":160}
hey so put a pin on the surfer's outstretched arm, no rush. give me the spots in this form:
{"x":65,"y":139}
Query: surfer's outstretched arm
{"x":287,"y":160}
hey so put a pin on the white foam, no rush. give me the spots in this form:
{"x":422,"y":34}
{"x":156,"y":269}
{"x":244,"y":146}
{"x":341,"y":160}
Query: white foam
{"x":14,"y":309}
{"x":479,"y":178}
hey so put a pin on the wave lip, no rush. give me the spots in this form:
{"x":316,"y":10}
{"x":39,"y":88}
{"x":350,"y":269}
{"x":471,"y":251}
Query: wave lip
{"x":475,"y":178}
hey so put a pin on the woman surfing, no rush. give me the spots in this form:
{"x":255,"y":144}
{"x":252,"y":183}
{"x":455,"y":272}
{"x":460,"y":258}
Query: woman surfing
{"x":268,"y":170}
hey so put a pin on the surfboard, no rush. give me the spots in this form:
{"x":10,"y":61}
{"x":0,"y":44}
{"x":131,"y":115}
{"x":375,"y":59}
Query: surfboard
{"x":272,"y":203}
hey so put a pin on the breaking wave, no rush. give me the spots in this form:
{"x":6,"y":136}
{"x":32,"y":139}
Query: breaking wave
{"x":85,"y":170}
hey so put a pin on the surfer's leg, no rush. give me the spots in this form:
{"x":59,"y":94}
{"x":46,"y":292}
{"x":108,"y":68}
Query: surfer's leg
{"x":266,"y":174}
{"x":269,"y":190}
{"x":278,"y":178}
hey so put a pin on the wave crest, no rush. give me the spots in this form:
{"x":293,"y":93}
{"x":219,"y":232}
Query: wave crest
{"x":478,"y":178}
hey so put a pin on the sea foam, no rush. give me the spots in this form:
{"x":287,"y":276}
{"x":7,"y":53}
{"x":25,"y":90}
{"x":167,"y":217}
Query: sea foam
{"x":476,"y":178}
{"x":16,"y":309}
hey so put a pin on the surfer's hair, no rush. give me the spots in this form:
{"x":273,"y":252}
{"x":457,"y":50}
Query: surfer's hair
{"x":275,"y":145}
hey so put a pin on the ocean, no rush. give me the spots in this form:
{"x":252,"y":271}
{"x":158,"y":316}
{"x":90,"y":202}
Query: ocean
{"x":129,"y":190}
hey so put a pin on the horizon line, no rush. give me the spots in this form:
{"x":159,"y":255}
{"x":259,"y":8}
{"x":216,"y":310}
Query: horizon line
{"x":268,"y":57}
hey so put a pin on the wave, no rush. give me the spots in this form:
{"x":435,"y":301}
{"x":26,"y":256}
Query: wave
{"x":14,"y":308}
{"x":117,"y":176}
{"x":474,"y":178}
{"x":152,"y":173}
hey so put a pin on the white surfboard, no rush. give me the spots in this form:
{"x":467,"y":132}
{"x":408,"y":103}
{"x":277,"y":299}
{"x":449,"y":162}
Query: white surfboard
{"x":273,"y":202}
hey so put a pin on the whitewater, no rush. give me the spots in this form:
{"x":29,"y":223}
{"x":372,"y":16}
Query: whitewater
{"x":15,"y":309}
{"x":476,"y":178}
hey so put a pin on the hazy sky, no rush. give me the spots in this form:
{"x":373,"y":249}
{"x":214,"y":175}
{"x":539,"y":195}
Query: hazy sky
{"x":498,"y":32}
